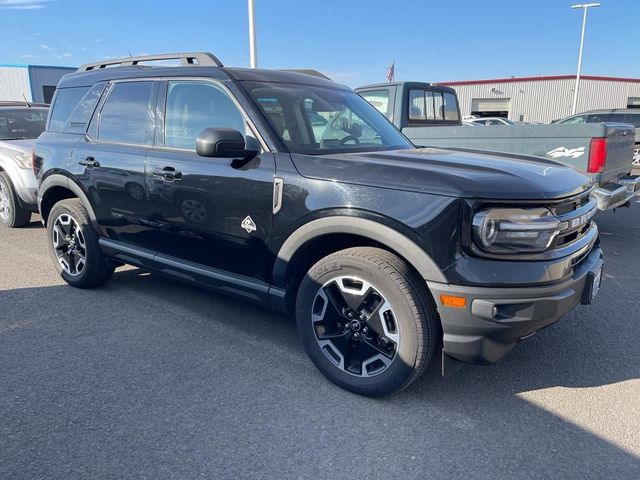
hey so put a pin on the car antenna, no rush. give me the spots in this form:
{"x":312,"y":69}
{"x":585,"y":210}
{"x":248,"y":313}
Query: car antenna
{"x":26,"y":101}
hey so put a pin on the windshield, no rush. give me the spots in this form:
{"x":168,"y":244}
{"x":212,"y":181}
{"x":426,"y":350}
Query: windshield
{"x":316,"y":120}
{"x":19,"y":123}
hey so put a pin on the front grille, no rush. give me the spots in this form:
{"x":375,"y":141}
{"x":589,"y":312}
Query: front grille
{"x":576,"y":215}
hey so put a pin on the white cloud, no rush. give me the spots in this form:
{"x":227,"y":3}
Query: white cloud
{"x":28,"y":55}
{"x":67,"y":54}
{"x":46,"y":47}
{"x":23,"y":4}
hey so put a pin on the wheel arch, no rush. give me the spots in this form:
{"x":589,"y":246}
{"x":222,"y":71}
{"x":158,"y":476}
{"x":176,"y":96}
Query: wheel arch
{"x":320,"y":237}
{"x":59,"y":187}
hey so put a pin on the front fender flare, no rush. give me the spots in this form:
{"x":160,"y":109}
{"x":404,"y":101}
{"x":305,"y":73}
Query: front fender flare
{"x":382,"y":234}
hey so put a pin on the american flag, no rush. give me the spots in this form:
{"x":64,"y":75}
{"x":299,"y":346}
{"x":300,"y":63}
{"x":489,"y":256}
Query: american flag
{"x":391,"y":73}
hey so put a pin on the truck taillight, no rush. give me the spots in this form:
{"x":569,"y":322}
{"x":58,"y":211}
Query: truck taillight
{"x":597,"y":155}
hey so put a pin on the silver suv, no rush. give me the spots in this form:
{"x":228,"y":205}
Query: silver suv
{"x":20,"y":125}
{"x":618,"y":115}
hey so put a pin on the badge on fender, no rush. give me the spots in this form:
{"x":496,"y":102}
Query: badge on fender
{"x":248,"y":224}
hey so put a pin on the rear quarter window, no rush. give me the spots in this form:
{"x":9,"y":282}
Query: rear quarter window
{"x":64,"y":102}
{"x":73,"y":108}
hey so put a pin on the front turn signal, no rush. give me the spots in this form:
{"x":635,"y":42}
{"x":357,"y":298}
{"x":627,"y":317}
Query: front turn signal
{"x":453,"y":301}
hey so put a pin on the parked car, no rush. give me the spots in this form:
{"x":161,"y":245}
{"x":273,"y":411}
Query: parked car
{"x":604,"y":151}
{"x":493,"y":121}
{"x":20,"y":124}
{"x":386,"y":254}
{"x":618,"y":115}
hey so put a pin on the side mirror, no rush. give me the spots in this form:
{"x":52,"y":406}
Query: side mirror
{"x":223,"y":143}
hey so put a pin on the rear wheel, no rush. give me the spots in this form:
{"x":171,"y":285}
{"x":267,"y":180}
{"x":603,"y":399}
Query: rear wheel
{"x":367,"y":321}
{"x":12,"y":215}
{"x":74,"y":248}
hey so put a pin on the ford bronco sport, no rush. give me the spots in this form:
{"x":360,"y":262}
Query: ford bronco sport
{"x":289,"y":190}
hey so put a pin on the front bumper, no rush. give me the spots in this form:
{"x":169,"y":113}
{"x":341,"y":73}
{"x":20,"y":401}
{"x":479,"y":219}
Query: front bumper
{"x":617,"y":194}
{"x":494,"y":320}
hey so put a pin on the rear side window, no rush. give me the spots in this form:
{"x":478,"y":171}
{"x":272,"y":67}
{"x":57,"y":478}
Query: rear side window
{"x":633,"y":119}
{"x":126,"y":116}
{"x":65,"y":102}
{"x":379,"y":99}
{"x":606,"y":117}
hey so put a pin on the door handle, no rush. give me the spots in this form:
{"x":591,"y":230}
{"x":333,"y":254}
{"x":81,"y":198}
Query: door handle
{"x":168,"y":173}
{"x":89,"y":162}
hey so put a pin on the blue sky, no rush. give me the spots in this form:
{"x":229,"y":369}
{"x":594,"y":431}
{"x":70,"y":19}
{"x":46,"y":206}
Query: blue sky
{"x":353,"y":41}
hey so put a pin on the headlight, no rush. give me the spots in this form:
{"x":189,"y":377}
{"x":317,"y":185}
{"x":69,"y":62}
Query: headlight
{"x":515,"y":230}
{"x":23,"y":160}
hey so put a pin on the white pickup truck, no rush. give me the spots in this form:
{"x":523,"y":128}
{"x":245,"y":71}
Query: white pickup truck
{"x":602,"y":150}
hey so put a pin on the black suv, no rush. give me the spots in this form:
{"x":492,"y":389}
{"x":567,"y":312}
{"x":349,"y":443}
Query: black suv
{"x":289,"y":190}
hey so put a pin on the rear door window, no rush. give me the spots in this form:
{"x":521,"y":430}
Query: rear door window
{"x":126,"y":116}
{"x":606,"y":117}
{"x":633,"y":119}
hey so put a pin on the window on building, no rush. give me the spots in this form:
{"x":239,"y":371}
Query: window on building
{"x":126,"y":114}
{"x":633,"y":102}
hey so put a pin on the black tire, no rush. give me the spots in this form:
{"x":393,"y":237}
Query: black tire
{"x":96,"y":270}
{"x":414,"y":313}
{"x":17,"y":216}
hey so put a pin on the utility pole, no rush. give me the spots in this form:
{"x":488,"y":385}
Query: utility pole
{"x":253,"y":53}
{"x":586,"y":7}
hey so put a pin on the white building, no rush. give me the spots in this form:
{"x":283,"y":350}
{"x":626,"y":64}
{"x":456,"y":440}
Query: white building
{"x":543,"y":99}
{"x":36,"y":83}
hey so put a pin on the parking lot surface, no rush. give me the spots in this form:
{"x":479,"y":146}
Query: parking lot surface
{"x":149,"y":378}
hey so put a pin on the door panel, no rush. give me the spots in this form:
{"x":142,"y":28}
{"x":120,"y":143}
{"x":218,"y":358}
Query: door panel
{"x":198,"y":204}
{"x":115,"y":188}
{"x":111,"y":168}
{"x":199,"y":217}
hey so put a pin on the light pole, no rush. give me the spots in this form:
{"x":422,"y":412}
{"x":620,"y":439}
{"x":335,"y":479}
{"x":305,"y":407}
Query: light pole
{"x":253,"y":53}
{"x":586,"y":7}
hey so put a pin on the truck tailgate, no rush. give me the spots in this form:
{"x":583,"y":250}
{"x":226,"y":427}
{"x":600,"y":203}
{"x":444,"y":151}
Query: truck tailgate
{"x":620,"y":146}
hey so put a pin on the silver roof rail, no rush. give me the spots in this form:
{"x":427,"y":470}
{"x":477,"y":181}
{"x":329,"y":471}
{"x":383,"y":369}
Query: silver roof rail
{"x":306,"y":71}
{"x":191,"y":58}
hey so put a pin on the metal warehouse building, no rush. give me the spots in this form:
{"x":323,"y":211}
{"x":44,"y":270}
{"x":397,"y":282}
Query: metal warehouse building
{"x":543,"y":99}
{"x":36,"y":83}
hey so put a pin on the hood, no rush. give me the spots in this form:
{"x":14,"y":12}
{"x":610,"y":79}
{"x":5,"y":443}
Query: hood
{"x":455,"y":173}
{"x":21,"y":146}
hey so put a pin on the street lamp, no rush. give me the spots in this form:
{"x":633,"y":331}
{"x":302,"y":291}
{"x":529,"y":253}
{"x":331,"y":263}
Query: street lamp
{"x":253,"y":53}
{"x":586,"y":7}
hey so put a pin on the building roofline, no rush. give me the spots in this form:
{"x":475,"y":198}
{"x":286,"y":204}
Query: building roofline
{"x":539,"y":79}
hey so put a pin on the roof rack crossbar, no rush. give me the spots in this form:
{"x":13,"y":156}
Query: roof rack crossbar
{"x":190,"y":58}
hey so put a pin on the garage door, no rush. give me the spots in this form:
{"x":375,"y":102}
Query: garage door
{"x":490,"y":107}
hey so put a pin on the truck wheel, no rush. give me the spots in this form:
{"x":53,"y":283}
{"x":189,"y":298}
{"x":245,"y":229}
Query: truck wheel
{"x":73,"y":245}
{"x":367,"y":321}
{"x":12,"y":214}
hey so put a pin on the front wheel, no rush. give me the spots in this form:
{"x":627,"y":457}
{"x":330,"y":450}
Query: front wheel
{"x":367,"y":321}
{"x":74,"y":248}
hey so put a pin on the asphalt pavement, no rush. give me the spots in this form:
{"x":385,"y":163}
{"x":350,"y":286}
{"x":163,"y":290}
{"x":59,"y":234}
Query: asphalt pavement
{"x":149,"y":378}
